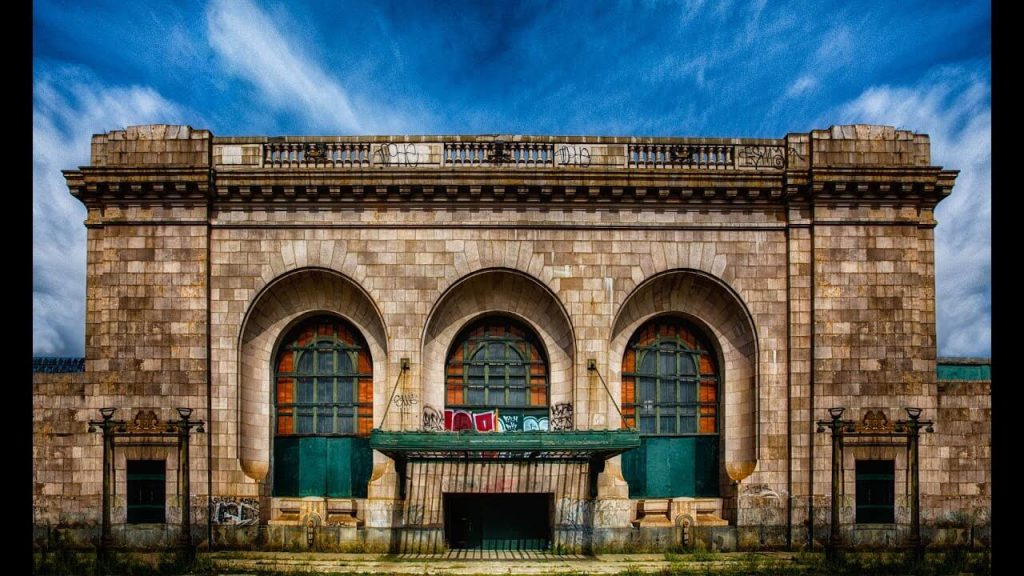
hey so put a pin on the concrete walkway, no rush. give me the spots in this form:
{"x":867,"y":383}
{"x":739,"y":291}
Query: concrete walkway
{"x":491,"y":562}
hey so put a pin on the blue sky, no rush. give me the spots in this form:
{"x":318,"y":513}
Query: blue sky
{"x":691,"y":68}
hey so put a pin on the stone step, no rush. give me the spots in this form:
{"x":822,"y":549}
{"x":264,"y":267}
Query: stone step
{"x":469,"y":562}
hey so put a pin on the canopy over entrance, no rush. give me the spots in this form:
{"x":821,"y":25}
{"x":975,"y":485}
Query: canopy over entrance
{"x":575,"y":444}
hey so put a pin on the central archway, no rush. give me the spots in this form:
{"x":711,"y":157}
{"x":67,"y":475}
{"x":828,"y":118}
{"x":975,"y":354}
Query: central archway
{"x":506,"y":293}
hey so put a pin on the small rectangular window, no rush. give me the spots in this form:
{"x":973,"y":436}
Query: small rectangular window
{"x":876,"y":485}
{"x":147,"y":485}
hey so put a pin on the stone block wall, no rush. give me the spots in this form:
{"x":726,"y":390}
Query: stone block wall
{"x":65,"y":486}
{"x":146,"y":343}
{"x":867,"y":145}
{"x":963,"y":441}
{"x":152,"y":145}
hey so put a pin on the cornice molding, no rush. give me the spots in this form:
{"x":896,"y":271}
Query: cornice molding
{"x":144,"y":185}
{"x":181,"y":186}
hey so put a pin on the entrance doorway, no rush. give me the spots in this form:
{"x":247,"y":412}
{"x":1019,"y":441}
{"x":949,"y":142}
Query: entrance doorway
{"x":498,"y":521}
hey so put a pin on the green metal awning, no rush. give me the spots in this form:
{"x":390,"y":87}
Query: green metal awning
{"x":575,"y":444}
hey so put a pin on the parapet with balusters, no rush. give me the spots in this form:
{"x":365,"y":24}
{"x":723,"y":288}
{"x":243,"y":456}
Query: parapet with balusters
{"x":850,"y":163}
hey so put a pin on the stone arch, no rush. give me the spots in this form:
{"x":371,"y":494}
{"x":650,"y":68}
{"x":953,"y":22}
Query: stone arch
{"x":294,"y":254}
{"x":481,"y":255}
{"x":282,"y":303}
{"x":498,"y":291}
{"x":718,"y":309}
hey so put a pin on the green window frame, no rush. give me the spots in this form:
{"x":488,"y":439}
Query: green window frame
{"x":670,"y":380}
{"x":876,"y":491}
{"x":323,"y":381}
{"x":498,"y":363}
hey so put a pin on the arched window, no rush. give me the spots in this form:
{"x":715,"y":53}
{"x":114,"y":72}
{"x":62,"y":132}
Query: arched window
{"x":669,"y":380}
{"x":670,"y":395}
{"x":324,"y":380}
{"x":498,"y":364}
{"x":323,"y":390}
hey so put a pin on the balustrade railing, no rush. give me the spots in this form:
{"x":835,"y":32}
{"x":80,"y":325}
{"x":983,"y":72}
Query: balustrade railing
{"x":681,"y":156}
{"x":325,"y":154}
{"x":533,"y":154}
{"x":526,"y":154}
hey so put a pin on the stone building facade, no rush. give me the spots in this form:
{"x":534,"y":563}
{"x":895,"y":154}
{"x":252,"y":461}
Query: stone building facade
{"x":396,"y":341}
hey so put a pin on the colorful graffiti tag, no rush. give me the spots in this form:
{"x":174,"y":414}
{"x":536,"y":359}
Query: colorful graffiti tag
{"x":534,"y":423}
{"x":456,"y":420}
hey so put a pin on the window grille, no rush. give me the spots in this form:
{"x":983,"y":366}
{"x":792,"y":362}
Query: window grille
{"x":498,"y":363}
{"x":324,"y":381}
{"x":669,"y":380}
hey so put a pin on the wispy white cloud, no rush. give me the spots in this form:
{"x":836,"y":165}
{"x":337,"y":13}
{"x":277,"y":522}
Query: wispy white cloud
{"x":69,"y":105}
{"x":952,"y":106}
{"x":754,"y":27}
{"x":801,"y":85}
{"x":835,"y":49}
{"x":251,"y":47}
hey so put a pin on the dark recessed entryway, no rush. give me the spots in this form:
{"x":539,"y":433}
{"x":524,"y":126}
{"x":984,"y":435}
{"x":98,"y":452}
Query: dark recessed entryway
{"x":498,"y":521}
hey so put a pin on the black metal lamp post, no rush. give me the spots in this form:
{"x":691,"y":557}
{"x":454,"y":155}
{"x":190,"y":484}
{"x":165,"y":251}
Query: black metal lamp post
{"x":108,"y":426}
{"x":838,"y":427}
{"x":912,"y":427}
{"x":184,"y":428}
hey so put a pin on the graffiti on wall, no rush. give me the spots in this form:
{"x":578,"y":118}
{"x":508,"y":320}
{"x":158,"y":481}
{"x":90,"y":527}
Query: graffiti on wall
{"x":534,"y":423}
{"x":401,"y":154}
{"x":510,"y":423}
{"x":761,"y":156}
{"x":483,"y":421}
{"x":433,"y":421}
{"x":574,"y":514}
{"x":235,"y":511}
{"x":573,"y":155}
{"x":405,"y":400}
{"x":455,"y":420}
{"x":561,"y":416}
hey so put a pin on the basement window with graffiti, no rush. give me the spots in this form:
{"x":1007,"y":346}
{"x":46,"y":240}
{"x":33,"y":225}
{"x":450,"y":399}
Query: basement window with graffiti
{"x":324,"y":380}
{"x":497,"y":379}
{"x":669,"y":380}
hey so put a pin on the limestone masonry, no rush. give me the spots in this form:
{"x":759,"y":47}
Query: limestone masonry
{"x":415,"y":343}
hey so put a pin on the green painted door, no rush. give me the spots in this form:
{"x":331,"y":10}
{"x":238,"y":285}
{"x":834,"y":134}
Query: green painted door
{"x":336,"y":467}
{"x":672,"y":466}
